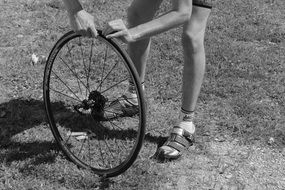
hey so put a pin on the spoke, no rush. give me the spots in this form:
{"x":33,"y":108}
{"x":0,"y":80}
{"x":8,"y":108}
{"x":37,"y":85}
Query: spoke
{"x":109,"y":148}
{"x":119,"y":150}
{"x":122,"y":99}
{"x":113,"y":124}
{"x":101,"y":154}
{"x":66,"y":85}
{"x":71,"y":55}
{"x":75,"y":74}
{"x":65,"y":95}
{"x":102,"y":135}
{"x":100,"y":149}
{"x":89,"y":68}
{"x":114,"y":85}
{"x":89,"y":152}
{"x":83,"y":142}
{"x":80,"y":44}
{"x":105,"y":57}
{"x":69,"y":50}
{"x":65,"y":142}
{"x":117,"y":113}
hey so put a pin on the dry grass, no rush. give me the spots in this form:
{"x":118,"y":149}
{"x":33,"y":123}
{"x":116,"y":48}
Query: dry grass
{"x":242,"y":102}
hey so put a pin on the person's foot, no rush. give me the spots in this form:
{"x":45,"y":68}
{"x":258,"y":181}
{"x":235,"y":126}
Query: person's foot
{"x":122,"y":107}
{"x":180,"y":139}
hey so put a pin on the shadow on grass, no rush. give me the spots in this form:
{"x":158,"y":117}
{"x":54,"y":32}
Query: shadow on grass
{"x":42,"y":152}
{"x":19,"y":115}
{"x":23,"y":114}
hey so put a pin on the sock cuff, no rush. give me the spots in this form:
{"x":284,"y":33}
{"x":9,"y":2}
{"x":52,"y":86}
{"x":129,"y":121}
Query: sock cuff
{"x":187,"y":115}
{"x":186,"y":111}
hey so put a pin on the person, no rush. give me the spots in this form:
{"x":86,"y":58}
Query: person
{"x":81,"y":21}
{"x":192,"y":15}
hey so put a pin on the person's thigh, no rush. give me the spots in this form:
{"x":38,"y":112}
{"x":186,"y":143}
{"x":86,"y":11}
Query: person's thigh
{"x":144,"y":9}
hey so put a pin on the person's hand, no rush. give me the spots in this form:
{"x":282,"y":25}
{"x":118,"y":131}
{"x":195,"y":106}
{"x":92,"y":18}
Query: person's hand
{"x":117,"y":29}
{"x":83,"y":23}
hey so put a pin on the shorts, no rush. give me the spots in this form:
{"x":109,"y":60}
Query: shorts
{"x":204,"y":3}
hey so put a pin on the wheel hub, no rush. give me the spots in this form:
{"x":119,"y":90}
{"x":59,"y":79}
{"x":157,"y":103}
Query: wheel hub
{"x":95,"y":103}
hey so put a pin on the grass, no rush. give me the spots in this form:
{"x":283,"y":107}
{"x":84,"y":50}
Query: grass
{"x":241,"y":105}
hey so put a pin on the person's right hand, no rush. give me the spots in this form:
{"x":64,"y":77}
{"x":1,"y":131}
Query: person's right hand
{"x":83,"y":23}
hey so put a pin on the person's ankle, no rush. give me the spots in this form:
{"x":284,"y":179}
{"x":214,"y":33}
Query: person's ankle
{"x":188,"y":126}
{"x":186,"y":120}
{"x":132,"y":94}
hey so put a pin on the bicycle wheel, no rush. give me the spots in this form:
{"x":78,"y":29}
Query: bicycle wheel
{"x":82,"y":78}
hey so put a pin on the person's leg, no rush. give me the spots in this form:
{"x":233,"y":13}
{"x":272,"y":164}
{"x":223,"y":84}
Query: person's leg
{"x":139,"y":12}
{"x":194,"y":68}
{"x":194,"y":56}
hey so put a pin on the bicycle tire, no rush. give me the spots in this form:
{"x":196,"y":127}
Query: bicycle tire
{"x":60,"y":99}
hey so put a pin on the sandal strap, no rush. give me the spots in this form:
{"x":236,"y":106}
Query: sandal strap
{"x":177,"y":142}
{"x":121,"y":109}
{"x":127,"y":100}
{"x":119,"y":102}
{"x":179,"y":139}
{"x":182,"y":132}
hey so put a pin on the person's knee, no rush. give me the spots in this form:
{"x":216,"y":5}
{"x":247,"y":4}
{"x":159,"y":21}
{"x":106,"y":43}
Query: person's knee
{"x":193,"y":41}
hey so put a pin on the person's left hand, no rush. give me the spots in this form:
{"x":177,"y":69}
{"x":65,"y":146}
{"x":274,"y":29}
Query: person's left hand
{"x":117,"y":29}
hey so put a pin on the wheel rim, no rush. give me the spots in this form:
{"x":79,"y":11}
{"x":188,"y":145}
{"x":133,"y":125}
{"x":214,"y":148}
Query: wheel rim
{"x":84,"y":76}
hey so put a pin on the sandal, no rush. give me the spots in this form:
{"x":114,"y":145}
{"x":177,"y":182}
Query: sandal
{"x":179,"y":140}
{"x":121,"y":107}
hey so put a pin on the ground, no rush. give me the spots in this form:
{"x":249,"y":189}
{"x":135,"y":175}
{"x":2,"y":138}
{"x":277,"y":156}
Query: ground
{"x":240,"y":114}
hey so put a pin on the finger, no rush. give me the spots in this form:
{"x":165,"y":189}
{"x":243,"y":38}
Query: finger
{"x":81,"y":31}
{"x":114,"y":29}
{"x":93,"y":31}
{"x":109,"y":31}
{"x":113,"y":22}
{"x":117,"y":26}
{"x":113,"y":26}
{"x":117,"y":21}
{"x":106,"y":30}
{"x":77,"y":28}
{"x":116,"y":34}
{"x":103,"y":31}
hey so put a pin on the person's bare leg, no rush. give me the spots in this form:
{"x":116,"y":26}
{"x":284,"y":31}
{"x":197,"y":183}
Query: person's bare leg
{"x":139,"y":12}
{"x":194,"y":56}
{"x":194,"y":69}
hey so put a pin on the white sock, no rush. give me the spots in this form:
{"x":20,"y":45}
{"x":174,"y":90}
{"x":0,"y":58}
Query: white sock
{"x":186,"y":121}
